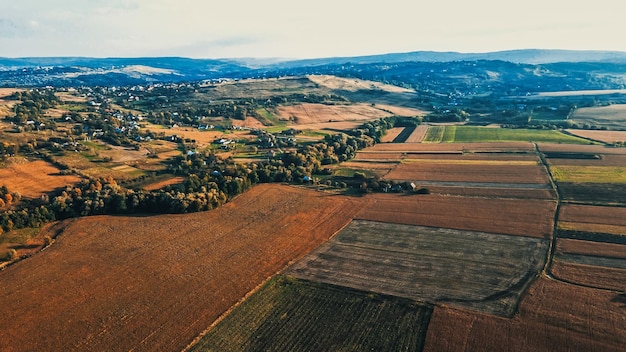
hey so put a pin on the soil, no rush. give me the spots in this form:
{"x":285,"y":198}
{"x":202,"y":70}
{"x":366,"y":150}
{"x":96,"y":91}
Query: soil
{"x":32,"y":179}
{"x":154,"y":283}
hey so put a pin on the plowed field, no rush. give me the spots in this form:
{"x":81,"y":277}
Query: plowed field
{"x":32,"y":179}
{"x":459,"y":171}
{"x":591,"y":218}
{"x":532,"y":218}
{"x":153,"y":284}
{"x":553,"y":316}
{"x":590,"y":275}
{"x":480,"y":271}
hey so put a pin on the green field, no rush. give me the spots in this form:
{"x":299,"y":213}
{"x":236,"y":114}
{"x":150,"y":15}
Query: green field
{"x":466,"y":134}
{"x":288,"y":314}
{"x":589,"y":174}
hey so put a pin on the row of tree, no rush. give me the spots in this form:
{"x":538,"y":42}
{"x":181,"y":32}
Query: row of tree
{"x":210,"y":181}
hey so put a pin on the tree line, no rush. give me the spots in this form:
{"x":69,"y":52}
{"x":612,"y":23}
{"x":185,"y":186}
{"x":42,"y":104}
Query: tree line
{"x":209,"y":181}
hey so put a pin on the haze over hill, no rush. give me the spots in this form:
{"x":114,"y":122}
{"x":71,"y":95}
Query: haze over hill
{"x":67,"y":71}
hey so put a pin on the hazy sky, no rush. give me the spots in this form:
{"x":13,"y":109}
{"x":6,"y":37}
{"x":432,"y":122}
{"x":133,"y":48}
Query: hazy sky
{"x":302,"y":29}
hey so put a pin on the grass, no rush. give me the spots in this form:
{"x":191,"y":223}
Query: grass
{"x":288,"y":314}
{"x":268,"y":118}
{"x":589,"y":174}
{"x":461,"y":134}
{"x":18,"y":236}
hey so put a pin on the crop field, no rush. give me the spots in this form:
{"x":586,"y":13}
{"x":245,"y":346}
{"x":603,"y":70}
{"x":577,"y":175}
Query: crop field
{"x":434,"y":134}
{"x":600,"y":277}
{"x":308,"y":113}
{"x":553,"y":316}
{"x":148,"y":284}
{"x":483,"y":171}
{"x":490,"y":191}
{"x":445,"y":148}
{"x":481,"y":271}
{"x":589,"y":174}
{"x":287,"y":314}
{"x":464,"y":134}
{"x":611,"y":116}
{"x":391,"y":134}
{"x":602,"y":136}
{"x":418,"y":134}
{"x":34,"y":178}
{"x":590,"y":248}
{"x":580,"y":148}
{"x":606,"y":160}
{"x":590,"y":214}
{"x":533,"y":218}
{"x":161,"y":184}
{"x":596,"y":193}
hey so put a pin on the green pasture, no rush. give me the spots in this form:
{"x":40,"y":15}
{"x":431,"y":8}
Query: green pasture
{"x":468,"y":134}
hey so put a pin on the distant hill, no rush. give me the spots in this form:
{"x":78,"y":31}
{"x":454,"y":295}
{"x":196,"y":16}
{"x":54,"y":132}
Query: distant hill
{"x":411,"y":68}
{"x":524,"y":56}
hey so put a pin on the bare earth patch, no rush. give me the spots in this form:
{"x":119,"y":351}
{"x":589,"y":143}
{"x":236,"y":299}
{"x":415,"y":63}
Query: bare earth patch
{"x":603,"y":136}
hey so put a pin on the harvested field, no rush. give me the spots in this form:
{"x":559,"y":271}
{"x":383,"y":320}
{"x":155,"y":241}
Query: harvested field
{"x":566,"y":245}
{"x":5,"y":92}
{"x":355,"y":84}
{"x":401,"y":111}
{"x":161,"y":184}
{"x":308,"y":113}
{"x":391,"y":134}
{"x":533,"y":218}
{"x":571,"y":148}
{"x":418,"y":134}
{"x":459,"y":171}
{"x":606,"y":160}
{"x":287,"y":315}
{"x":249,"y":122}
{"x":34,"y":178}
{"x":124,"y":283}
{"x":593,"y":214}
{"x":331,"y":126}
{"x":611,"y":116}
{"x":553,"y":316}
{"x":597,"y":193}
{"x":454,"y":147}
{"x":590,"y":275}
{"x":485,"y":272}
{"x":379,"y":168}
{"x":489,"y":191}
{"x":602,"y":136}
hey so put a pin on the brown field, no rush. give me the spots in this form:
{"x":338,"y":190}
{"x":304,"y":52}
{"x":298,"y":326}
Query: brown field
{"x":566,"y":245}
{"x":32,"y":179}
{"x":454,"y":171}
{"x":418,"y":134}
{"x":202,"y":138}
{"x":249,"y":122}
{"x":401,"y":111}
{"x":533,"y":218}
{"x":391,"y":134}
{"x":71,"y":97}
{"x":428,"y":264}
{"x":154,"y":284}
{"x":499,"y":192}
{"x":593,"y":214}
{"x":513,"y":158}
{"x":123,"y":155}
{"x":553,"y":316}
{"x":580,"y":148}
{"x":603,"y":136}
{"x":381,"y":169}
{"x":5,"y":92}
{"x":308,"y":113}
{"x":604,"y":160}
{"x":355,"y":84}
{"x":612,"y":116}
{"x":453,"y":147}
{"x":161,"y":184}
{"x":601,"y":277}
{"x":333,"y":126}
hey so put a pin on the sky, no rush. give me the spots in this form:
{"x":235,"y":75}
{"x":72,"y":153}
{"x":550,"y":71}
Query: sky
{"x":302,"y":29}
